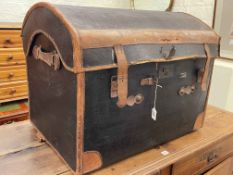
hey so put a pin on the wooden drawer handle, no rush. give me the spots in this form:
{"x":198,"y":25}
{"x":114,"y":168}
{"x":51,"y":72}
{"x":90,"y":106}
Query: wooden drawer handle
{"x":11,"y":75}
{"x":10,"y":58}
{"x":8,"y":41}
{"x":12,"y":91}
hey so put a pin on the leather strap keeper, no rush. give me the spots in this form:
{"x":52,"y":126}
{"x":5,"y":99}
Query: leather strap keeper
{"x":122,"y":76}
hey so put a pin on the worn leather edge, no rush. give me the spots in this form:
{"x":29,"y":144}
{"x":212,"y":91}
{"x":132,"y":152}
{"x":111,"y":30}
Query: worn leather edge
{"x":147,"y":60}
{"x":109,"y":38}
{"x":92,"y":160}
{"x":74,"y":35}
{"x":122,"y":76}
{"x":201,"y":117}
{"x":80,"y":122}
{"x":206,"y":71}
{"x":199,"y":121}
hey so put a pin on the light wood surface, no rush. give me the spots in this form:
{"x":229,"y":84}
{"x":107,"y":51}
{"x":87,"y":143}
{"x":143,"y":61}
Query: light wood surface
{"x":13,"y":73}
{"x":10,"y":38}
{"x":13,"y":90}
{"x":22,"y":154}
{"x":12,"y":63}
{"x":11,"y":56}
{"x":10,"y":25}
{"x":224,"y":168}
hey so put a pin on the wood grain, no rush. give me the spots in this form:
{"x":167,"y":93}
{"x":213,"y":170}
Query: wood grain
{"x":10,"y":38}
{"x":13,"y":73}
{"x":224,"y":168}
{"x":13,"y":90}
{"x":11,"y":56}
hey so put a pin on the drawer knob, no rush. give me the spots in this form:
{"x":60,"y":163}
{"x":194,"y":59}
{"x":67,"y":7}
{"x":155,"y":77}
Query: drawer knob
{"x":10,"y":57}
{"x":12,"y":91}
{"x":11,"y":75}
{"x":8,"y":40}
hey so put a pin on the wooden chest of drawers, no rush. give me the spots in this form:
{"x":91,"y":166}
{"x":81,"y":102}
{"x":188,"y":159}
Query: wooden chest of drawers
{"x":13,"y":79}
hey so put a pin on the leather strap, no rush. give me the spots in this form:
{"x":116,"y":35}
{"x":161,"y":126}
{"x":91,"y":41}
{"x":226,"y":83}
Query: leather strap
{"x":122,"y":76}
{"x":206,"y":71}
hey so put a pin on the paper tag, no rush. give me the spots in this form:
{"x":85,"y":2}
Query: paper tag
{"x":165,"y":153}
{"x":154,"y":114}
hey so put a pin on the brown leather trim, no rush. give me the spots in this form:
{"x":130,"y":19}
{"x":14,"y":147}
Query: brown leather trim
{"x":109,"y":38}
{"x":147,"y":60}
{"x":80,"y":122}
{"x":201,"y":117}
{"x":92,"y":160}
{"x":199,"y":121}
{"x":122,"y":76}
{"x":206,"y":71}
{"x":74,"y":35}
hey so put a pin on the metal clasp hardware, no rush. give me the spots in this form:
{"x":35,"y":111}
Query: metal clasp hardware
{"x":167,"y":53}
{"x":150,"y":81}
{"x":113,"y":87}
{"x":186,"y":90}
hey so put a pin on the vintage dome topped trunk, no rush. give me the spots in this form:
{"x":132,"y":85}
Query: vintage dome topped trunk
{"x":105,"y":84}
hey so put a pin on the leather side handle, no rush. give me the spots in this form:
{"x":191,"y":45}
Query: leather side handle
{"x":207,"y":66}
{"x":122,"y":76}
{"x":50,"y":58}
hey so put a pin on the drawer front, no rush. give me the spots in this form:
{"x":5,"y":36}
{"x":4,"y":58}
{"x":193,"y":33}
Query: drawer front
{"x":204,"y":159}
{"x":224,"y":168}
{"x":10,"y":38}
{"x":11,"y":56}
{"x":10,"y":74}
{"x":13,"y":91}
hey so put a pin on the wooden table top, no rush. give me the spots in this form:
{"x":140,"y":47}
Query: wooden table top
{"x":22,"y":154}
{"x":10,"y":25}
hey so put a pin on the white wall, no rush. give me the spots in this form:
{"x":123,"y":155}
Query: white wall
{"x":14,"y":10}
{"x":221,"y":93}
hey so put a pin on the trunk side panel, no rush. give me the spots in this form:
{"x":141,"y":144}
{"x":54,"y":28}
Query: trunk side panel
{"x":53,"y":103}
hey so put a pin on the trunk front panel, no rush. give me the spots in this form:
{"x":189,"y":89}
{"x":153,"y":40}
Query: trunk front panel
{"x":118,"y":133}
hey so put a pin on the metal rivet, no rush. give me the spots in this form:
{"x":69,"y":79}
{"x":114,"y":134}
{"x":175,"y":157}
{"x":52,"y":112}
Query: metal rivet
{"x":131,"y":100}
{"x":139,"y":98}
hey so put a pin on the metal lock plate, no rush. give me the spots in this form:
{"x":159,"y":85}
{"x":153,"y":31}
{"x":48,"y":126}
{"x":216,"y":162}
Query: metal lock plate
{"x":113,"y":87}
{"x":166,"y":71}
{"x":186,"y":90}
{"x":149,"y":81}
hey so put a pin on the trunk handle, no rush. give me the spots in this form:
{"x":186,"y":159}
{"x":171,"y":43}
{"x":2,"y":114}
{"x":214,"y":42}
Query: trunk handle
{"x":50,"y":58}
{"x":122,"y":76}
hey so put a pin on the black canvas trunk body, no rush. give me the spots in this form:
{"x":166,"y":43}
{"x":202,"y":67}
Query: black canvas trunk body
{"x":105,"y":84}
